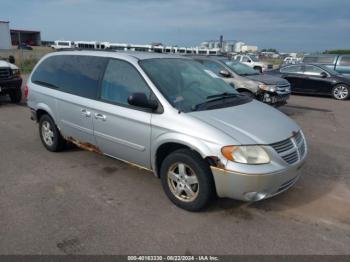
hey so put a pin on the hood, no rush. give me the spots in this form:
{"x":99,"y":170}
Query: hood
{"x":268,"y":79}
{"x":4,"y":63}
{"x":251,"y":123}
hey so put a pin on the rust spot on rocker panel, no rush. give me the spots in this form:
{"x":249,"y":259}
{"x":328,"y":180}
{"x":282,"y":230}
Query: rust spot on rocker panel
{"x":86,"y":146}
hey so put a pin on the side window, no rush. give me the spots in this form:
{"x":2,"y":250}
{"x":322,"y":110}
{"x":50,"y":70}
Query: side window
{"x":46,"y":73}
{"x":292,"y":70}
{"x":245,"y":59}
{"x":121,"y":79}
{"x":212,"y":66}
{"x":345,"y":61}
{"x":78,"y":75}
{"x":312,"y":70}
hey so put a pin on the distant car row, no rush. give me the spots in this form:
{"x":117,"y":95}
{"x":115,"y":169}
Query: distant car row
{"x":315,"y":79}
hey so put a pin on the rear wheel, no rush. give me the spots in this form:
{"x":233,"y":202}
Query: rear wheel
{"x":187,"y":180}
{"x":258,"y":68}
{"x":340,"y":92}
{"x":16,"y":95}
{"x":50,"y":135}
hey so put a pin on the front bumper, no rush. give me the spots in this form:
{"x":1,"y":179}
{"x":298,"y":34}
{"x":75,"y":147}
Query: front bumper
{"x":242,"y":186}
{"x":7,"y":85}
{"x":274,"y":98}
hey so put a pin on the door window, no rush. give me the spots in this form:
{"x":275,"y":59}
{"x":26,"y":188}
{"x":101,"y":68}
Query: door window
{"x":313,"y":70}
{"x":292,"y":70}
{"x":245,"y":59}
{"x":121,"y":80}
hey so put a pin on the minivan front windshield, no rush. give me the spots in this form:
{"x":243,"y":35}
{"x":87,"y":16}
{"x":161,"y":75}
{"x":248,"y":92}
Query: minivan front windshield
{"x":189,"y":86}
{"x":241,"y":69}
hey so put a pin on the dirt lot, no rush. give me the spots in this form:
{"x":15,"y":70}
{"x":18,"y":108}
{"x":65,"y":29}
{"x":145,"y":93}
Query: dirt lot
{"x":77,"y":202}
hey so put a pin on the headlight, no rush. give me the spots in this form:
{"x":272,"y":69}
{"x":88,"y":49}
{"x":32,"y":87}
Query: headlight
{"x":254,"y":155}
{"x":16,"y":72}
{"x":269,"y":88}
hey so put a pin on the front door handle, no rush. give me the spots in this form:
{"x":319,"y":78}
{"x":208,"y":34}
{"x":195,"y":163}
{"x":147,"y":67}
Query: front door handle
{"x":100,"y":116}
{"x":86,"y":112}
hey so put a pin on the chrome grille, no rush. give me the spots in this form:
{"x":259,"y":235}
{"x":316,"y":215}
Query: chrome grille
{"x":283,"y":87}
{"x":5,"y":73}
{"x":292,"y":149}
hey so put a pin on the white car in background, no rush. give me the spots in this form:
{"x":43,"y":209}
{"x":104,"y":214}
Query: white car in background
{"x":253,"y":61}
{"x":61,"y":44}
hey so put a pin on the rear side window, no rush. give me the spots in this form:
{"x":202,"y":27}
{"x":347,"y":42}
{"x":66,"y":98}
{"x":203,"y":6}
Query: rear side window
{"x":78,"y":75}
{"x":121,"y":80}
{"x":292,"y":69}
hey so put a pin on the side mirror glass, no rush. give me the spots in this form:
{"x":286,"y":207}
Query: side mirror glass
{"x":225,"y":73}
{"x":141,"y":100}
{"x":323,"y":75}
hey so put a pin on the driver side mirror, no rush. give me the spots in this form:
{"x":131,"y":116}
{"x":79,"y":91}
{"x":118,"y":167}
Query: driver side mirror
{"x":141,"y":100}
{"x":225,"y":73}
{"x":249,"y":61}
{"x":323,"y":75}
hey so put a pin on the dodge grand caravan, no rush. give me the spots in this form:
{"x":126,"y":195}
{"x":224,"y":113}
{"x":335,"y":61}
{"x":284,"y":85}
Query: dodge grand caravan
{"x":170,"y":115}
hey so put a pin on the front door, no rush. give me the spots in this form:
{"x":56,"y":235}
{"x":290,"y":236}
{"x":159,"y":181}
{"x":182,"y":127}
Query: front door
{"x":121,"y":130}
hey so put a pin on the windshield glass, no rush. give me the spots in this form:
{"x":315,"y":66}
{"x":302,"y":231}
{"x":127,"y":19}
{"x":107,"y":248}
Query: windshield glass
{"x":186,"y":83}
{"x":241,"y":69}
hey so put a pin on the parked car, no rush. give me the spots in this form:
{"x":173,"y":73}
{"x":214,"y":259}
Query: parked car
{"x":268,"y":89}
{"x":315,"y":79}
{"x":24,"y":46}
{"x":10,"y":81}
{"x":253,"y":62}
{"x":169,"y":115}
{"x":339,"y":63}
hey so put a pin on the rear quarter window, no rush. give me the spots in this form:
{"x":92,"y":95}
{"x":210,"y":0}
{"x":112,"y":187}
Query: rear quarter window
{"x":75,"y":74}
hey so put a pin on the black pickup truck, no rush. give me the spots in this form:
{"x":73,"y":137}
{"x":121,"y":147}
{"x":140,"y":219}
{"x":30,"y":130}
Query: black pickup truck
{"x":10,"y":81}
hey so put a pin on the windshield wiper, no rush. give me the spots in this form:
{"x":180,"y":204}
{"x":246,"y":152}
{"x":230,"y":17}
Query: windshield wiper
{"x":214,"y":98}
{"x":222,"y":95}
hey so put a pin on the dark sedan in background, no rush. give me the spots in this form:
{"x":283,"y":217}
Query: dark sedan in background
{"x":315,"y":79}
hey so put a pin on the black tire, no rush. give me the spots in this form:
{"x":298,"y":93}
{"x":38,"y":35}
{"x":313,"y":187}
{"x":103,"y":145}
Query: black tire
{"x":341,"y":92}
{"x":201,"y":169}
{"x":16,"y":95}
{"x":258,"y":68}
{"x":58,"y":142}
{"x":247,"y":93}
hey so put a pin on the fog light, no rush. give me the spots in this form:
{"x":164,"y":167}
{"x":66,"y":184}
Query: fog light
{"x":255,"y":196}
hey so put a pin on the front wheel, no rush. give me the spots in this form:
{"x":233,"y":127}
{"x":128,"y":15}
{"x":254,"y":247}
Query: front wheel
{"x":340,"y":92}
{"x":187,"y":180}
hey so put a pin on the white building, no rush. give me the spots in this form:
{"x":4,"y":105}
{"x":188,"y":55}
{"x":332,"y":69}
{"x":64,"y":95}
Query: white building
{"x":249,"y":48}
{"x":238,"y":47}
{"x":5,"y":35}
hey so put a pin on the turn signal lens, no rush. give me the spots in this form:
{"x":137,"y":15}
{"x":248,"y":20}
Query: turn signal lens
{"x":26,"y":91}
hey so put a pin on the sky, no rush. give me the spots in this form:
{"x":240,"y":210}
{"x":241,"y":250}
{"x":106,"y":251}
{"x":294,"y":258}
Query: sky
{"x":287,"y":25}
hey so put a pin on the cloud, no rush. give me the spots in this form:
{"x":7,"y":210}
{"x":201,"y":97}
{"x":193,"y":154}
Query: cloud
{"x":286,"y":25}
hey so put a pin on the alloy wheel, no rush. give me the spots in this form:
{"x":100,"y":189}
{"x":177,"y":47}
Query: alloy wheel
{"x":183,"y":182}
{"x":47,"y":133}
{"x":340,"y":92}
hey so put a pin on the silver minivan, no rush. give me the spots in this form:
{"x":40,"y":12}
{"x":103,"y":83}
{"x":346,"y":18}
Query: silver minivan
{"x":170,"y":115}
